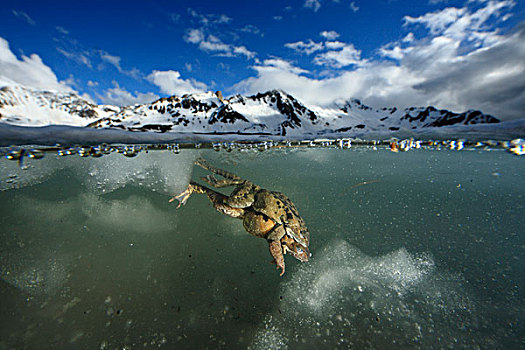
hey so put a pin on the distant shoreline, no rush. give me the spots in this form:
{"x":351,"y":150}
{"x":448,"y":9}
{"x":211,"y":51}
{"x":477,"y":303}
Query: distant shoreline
{"x":13,"y":135}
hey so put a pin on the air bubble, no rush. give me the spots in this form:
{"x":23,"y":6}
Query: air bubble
{"x":130,"y":151}
{"x":35,"y":154}
{"x":517,"y":147}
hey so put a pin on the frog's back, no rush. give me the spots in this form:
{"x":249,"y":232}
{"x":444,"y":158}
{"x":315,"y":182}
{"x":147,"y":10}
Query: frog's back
{"x":278,"y":207}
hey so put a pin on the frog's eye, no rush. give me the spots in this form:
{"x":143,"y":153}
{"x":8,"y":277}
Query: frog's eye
{"x":299,"y":250}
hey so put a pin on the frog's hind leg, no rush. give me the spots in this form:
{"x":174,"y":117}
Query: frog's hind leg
{"x":226,"y":174}
{"x":182,"y":197}
{"x":216,"y":198}
{"x":212,"y":181}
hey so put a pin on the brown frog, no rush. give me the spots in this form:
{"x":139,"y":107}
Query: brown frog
{"x":266,"y":214}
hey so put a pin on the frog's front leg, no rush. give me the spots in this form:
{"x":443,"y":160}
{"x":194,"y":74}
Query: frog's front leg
{"x":277,"y":252}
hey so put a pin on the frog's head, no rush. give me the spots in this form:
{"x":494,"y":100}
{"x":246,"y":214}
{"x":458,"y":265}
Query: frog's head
{"x":297,"y":248}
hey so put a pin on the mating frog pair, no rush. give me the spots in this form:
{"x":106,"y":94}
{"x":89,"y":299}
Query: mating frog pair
{"x":266,"y":214}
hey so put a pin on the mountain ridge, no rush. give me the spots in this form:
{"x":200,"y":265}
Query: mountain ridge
{"x":273,"y":112}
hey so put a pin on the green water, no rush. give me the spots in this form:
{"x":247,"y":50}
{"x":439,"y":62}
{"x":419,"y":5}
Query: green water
{"x":423,"y":249}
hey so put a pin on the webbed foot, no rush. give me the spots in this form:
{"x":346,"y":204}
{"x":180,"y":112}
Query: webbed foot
{"x":183,"y":197}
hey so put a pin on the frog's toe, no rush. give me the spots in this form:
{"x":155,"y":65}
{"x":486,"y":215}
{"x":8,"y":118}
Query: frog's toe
{"x":182,"y":197}
{"x":201,"y":162}
{"x":210,"y":180}
{"x":278,"y":267}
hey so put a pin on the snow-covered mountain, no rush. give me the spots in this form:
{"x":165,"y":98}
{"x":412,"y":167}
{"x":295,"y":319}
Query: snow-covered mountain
{"x":271,"y":113}
{"x":27,"y":107}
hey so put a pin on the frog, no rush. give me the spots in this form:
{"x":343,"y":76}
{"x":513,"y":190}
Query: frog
{"x":266,"y":214}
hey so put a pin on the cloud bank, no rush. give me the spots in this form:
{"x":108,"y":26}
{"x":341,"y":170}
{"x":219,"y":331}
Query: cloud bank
{"x":29,"y":71}
{"x":34,"y":73}
{"x":120,"y":97}
{"x":453,"y":58}
{"x":460,"y":63}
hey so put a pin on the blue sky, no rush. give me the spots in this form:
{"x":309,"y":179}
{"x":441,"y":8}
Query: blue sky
{"x":453,"y":54}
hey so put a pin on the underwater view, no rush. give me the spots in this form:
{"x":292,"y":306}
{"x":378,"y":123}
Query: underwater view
{"x":417,"y":249}
{"x":299,"y":174}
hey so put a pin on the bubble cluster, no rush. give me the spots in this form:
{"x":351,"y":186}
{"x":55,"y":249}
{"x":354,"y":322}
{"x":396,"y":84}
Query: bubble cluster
{"x":344,"y":297}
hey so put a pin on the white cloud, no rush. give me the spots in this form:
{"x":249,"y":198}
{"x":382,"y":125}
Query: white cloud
{"x":77,"y":57}
{"x":408,"y":38}
{"x":223,"y":19}
{"x":212,"y":44}
{"x":348,"y":55}
{"x":242,"y":50}
{"x":24,"y":16}
{"x":194,"y":36}
{"x":336,"y":54}
{"x":75,"y":51}
{"x":329,"y":35}
{"x":463,"y":63}
{"x":460,"y":23}
{"x":334,"y":45}
{"x":170,"y":82}
{"x":277,"y":64}
{"x":250,"y":28}
{"x":29,"y":71}
{"x":62,"y":30}
{"x":305,"y":47}
{"x":281,"y":74}
{"x":276,"y":73}
{"x":120,"y":97}
{"x":115,"y":61}
{"x":208,"y":19}
{"x":315,"y":5}
{"x":437,"y":21}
